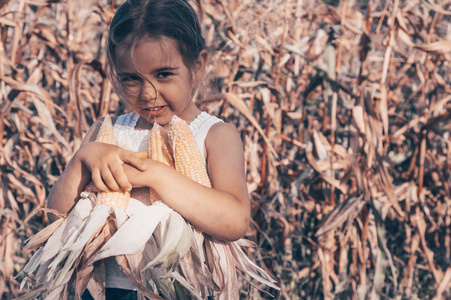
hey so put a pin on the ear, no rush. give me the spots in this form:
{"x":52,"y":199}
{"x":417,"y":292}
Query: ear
{"x":201,"y":64}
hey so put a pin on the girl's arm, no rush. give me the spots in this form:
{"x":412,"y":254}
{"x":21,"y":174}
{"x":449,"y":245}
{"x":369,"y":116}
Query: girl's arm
{"x":97,"y":161}
{"x":66,"y":190}
{"x":222,"y":211}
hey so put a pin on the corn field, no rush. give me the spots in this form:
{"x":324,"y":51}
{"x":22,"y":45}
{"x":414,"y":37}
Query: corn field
{"x":344,"y":108}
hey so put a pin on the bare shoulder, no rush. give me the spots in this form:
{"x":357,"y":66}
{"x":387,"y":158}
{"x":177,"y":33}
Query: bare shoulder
{"x":224,"y":147}
{"x":223,"y":136}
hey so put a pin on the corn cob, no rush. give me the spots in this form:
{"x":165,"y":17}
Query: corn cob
{"x":158,"y":149}
{"x":114,"y":199}
{"x":158,"y":146}
{"x":187,"y":157}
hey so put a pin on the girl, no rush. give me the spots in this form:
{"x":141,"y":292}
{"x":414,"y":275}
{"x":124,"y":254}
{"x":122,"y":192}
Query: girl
{"x":156,"y":57}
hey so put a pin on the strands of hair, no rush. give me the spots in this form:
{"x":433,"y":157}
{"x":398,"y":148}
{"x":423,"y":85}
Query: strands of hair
{"x":135,"y":20}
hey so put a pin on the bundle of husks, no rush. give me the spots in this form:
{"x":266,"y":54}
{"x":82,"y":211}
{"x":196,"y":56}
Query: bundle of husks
{"x":161,"y":253}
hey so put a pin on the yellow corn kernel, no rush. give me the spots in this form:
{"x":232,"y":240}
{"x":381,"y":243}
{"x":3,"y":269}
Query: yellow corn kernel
{"x":113,"y":199}
{"x":159,"y":149}
{"x":106,"y":132}
{"x":158,"y":146}
{"x":187,"y":157}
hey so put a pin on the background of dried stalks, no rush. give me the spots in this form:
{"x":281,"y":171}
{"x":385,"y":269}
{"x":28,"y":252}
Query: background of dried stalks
{"x":344,"y":109}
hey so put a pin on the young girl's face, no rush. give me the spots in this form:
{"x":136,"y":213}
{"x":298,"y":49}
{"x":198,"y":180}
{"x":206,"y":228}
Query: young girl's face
{"x":156,"y":80}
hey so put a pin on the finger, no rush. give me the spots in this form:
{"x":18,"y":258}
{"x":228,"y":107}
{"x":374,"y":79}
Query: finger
{"x":132,"y":159}
{"x":142,"y":154}
{"x":122,"y":179}
{"x":98,"y":182}
{"x":109,"y":179}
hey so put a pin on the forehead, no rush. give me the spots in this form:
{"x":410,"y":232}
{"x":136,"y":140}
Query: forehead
{"x":147,"y":54}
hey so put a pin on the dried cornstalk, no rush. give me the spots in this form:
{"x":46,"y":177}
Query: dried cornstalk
{"x":384,"y":153}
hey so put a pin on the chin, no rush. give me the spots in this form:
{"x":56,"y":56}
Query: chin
{"x":160,"y":120}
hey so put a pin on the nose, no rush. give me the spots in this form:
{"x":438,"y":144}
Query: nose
{"x":148,"y":91}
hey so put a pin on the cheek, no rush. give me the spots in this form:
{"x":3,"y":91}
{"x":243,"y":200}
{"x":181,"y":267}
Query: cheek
{"x":129,"y":96}
{"x":132,"y":91}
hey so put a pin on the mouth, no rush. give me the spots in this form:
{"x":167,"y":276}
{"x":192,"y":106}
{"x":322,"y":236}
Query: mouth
{"x":155,"y":111}
{"x":155,"y":108}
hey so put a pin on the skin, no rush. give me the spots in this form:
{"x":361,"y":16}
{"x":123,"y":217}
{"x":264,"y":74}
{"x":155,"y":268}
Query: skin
{"x":163,"y":86}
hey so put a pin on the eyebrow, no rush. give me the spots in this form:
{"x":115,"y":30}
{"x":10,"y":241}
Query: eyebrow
{"x":165,"y":69}
{"x":126,"y":74}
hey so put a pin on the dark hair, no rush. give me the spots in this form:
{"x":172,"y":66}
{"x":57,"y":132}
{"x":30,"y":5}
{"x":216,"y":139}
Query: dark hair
{"x":136,"y":19}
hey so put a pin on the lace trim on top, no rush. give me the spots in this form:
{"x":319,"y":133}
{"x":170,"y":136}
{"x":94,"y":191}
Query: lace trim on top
{"x":136,"y":140}
{"x":200,"y":127}
{"x":124,"y":128}
{"x":197,"y":123}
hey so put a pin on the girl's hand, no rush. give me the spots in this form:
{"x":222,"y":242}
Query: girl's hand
{"x":138,"y":177}
{"x":105,"y":162}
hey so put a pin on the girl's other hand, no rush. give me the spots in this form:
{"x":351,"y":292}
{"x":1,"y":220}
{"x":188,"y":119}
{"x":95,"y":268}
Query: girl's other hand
{"x":105,"y":162}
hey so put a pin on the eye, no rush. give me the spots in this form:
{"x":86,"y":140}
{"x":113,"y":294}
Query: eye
{"x":164,"y":75}
{"x":129,"y":79}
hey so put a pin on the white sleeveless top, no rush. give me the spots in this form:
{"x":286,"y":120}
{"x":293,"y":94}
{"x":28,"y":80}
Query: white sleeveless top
{"x":136,"y":140}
